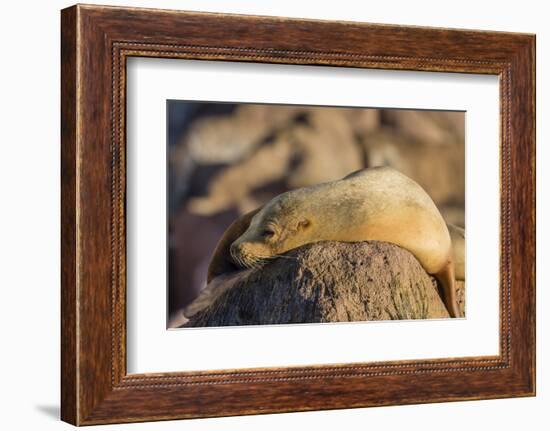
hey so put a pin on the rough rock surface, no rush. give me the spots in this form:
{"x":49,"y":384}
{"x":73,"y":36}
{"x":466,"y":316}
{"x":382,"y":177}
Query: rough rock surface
{"x":329,"y":282}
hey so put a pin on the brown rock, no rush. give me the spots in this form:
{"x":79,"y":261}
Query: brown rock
{"x":329,"y":282}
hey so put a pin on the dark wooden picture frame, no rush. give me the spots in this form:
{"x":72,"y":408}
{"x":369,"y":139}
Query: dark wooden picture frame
{"x":95,"y":43}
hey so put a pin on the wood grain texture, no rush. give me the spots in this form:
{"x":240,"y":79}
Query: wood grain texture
{"x":96,"y":41}
{"x":68,"y":218}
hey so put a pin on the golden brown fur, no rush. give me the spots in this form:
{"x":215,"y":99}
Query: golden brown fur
{"x":459,"y":258}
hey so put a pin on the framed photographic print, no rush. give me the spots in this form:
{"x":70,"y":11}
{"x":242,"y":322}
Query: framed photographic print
{"x":264,"y":214}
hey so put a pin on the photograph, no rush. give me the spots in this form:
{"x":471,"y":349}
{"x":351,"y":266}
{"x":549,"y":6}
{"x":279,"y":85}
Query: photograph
{"x":289,"y":214}
{"x":270,"y":210}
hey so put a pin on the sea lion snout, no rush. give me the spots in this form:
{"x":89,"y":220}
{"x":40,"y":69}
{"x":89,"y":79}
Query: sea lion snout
{"x":248,"y":254}
{"x":240,"y":248}
{"x":235,"y":249}
{"x":238,"y":254}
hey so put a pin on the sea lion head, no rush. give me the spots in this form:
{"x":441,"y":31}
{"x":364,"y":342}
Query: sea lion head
{"x":281,"y":225}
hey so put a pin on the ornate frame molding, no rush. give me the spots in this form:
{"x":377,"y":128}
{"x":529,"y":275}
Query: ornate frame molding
{"x":96,"y":41}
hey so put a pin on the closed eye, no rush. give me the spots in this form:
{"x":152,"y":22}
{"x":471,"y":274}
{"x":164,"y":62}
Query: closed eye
{"x":268,"y":233}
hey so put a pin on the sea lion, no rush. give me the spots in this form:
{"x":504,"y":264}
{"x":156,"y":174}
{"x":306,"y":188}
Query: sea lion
{"x":375,"y":204}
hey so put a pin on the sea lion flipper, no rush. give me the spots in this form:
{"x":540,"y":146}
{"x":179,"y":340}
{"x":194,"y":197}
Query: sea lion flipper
{"x":458,"y":246}
{"x":221,"y":262}
{"x":446,"y":277}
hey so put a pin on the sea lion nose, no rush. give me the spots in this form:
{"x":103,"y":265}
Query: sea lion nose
{"x":235,"y":248}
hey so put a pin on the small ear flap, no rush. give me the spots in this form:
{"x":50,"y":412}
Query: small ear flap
{"x":303,"y":224}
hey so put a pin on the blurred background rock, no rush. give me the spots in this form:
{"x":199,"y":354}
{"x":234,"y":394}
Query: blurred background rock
{"x":227,"y":159}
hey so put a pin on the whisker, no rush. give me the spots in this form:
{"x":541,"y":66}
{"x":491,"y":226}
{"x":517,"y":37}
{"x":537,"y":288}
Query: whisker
{"x":275,"y":256}
{"x":268,"y":257}
{"x":258,"y":263}
{"x":261,"y":262}
{"x":239,"y":261}
{"x":234,"y":257}
{"x":245,"y":260}
{"x":248,"y":260}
